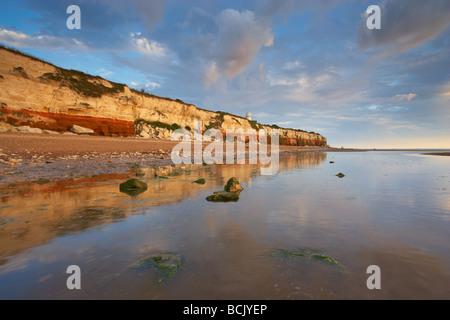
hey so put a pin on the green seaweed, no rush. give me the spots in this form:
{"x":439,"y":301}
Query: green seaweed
{"x":200,"y":181}
{"x":166,"y":264}
{"x":307,"y":254}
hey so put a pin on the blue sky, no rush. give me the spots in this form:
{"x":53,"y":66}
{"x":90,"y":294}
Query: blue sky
{"x":309,"y":64}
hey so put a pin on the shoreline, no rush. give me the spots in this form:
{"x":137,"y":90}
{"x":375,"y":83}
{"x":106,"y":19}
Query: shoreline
{"x":28,"y":157}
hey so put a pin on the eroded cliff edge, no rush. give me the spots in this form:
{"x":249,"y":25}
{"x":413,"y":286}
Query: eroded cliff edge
{"x":39,"y":94}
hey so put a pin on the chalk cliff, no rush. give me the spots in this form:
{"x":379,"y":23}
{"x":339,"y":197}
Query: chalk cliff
{"x":39,"y":94}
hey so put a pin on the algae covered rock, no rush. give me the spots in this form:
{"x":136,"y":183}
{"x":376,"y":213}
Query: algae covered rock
{"x":200,"y":181}
{"x":232,"y":190}
{"x":233,"y":185}
{"x":223,"y":196}
{"x":165,"y":263}
{"x":133,"y":187}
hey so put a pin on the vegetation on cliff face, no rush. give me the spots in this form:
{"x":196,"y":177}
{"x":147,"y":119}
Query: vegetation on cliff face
{"x":138,"y":123}
{"x":82,"y":83}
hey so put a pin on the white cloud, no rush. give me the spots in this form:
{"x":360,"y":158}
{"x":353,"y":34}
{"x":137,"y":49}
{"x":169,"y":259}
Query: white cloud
{"x":104,"y":73}
{"x":284,"y":123}
{"x":146,"y":46}
{"x":211,"y":75}
{"x":294,"y":115}
{"x":372,"y":107}
{"x":293,"y":65}
{"x":149,"y":85}
{"x":445,"y":90}
{"x":240,"y":37}
{"x":152,"y":85}
{"x":401,"y":97}
{"x":22,"y":40}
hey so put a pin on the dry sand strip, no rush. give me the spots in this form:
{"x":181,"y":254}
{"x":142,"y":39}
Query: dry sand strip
{"x":445,"y":154}
{"x":27,"y":144}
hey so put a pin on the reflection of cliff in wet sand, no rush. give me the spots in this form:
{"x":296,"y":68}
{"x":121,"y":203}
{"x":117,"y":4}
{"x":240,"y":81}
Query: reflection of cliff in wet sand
{"x":33,"y":214}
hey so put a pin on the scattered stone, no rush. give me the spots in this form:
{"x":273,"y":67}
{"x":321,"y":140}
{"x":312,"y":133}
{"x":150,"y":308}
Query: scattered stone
{"x":233,"y":185}
{"x":133,"y":187}
{"x":6,"y":127}
{"x":340,"y":175}
{"x":223,"y":196}
{"x":49,"y":132}
{"x":34,"y":130}
{"x":200,"y":181}
{"x":24,"y":128}
{"x":80,"y":130}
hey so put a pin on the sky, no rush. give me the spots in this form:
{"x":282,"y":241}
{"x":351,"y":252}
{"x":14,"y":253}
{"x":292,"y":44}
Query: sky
{"x":312,"y":64}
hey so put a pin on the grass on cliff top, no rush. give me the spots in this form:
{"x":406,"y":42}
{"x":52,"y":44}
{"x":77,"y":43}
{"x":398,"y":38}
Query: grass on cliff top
{"x":147,"y":94}
{"x":13,"y":50}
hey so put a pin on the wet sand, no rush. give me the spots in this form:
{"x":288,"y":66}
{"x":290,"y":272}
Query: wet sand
{"x":27,"y":157}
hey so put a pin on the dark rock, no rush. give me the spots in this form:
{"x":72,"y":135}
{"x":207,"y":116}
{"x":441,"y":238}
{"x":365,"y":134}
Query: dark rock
{"x":340,"y":175}
{"x":331,"y":161}
{"x":133,"y":187}
{"x":200,"y":181}
{"x":233,"y":185}
{"x":223,"y":196}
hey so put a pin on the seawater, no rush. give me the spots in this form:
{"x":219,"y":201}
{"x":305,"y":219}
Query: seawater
{"x":303,"y":233}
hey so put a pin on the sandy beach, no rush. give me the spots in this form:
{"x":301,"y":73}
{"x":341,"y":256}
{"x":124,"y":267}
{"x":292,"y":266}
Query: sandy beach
{"x":28,"y":157}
